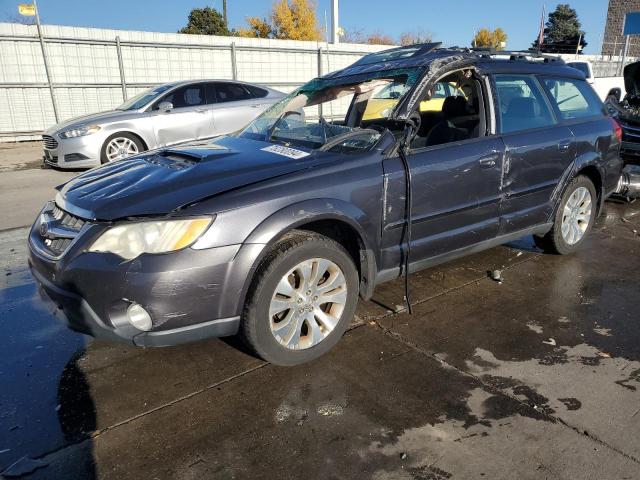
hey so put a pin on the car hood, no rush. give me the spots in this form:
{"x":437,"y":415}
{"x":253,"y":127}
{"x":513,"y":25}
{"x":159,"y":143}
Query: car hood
{"x":92,"y":119}
{"x":632,"y":78}
{"x":164,"y":180}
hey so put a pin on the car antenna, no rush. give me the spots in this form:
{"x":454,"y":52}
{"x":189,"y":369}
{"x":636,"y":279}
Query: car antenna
{"x":404,"y":146}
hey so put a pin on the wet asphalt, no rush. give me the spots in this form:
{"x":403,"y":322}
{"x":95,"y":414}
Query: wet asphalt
{"x":532,"y":378}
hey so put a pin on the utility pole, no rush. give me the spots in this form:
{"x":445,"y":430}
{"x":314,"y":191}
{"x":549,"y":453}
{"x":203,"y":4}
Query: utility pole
{"x":46,"y":63}
{"x":335,"y":36}
{"x":224,"y":13}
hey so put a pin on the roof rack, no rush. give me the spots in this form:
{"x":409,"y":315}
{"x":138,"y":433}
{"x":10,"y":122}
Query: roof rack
{"x":517,"y":55}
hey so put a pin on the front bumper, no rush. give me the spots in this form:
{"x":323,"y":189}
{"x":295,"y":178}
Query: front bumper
{"x":79,"y":152}
{"x":80,"y":317}
{"x":190,"y":294}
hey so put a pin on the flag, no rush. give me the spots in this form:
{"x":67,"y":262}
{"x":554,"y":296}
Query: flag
{"x":27,"y":9}
{"x":541,"y":33}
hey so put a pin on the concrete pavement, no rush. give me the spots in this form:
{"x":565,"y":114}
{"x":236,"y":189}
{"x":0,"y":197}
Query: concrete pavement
{"x":534,"y":378}
{"x":24,"y":185}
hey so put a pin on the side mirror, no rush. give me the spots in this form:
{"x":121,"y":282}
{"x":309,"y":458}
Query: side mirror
{"x":165,"y":106}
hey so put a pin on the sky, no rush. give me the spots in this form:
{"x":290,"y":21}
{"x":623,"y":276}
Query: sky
{"x":452,"y":22}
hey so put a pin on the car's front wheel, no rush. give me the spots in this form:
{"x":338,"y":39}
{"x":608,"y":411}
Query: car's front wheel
{"x":302,"y":299}
{"x":574,"y":218}
{"x":119,"y":146}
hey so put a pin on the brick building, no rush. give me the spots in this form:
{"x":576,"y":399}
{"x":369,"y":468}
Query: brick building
{"x":613,"y":38}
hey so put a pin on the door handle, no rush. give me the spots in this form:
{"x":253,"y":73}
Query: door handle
{"x":489,"y":160}
{"x":201,"y":111}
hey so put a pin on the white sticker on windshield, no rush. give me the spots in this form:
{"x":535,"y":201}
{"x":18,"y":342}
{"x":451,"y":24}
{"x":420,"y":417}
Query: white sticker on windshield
{"x":286,"y":151}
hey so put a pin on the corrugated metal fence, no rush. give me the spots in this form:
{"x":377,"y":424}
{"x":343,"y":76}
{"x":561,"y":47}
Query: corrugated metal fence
{"x":95,"y":69}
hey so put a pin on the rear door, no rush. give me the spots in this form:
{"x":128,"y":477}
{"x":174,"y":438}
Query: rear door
{"x":538,"y":150}
{"x":190,"y":119}
{"x":236,"y":105}
{"x":578,"y":106}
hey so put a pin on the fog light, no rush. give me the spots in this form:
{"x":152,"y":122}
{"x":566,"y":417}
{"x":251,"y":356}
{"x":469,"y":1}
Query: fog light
{"x":139,"y":317}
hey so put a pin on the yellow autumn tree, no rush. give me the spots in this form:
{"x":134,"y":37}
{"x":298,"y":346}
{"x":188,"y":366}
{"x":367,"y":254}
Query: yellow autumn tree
{"x":499,"y":38}
{"x":289,"y":20}
{"x":258,"y":28}
{"x":485,"y":38}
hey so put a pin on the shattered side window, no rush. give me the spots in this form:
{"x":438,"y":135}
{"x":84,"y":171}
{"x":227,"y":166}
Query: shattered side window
{"x":327,"y":108}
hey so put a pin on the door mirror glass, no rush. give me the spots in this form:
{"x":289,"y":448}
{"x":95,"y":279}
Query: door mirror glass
{"x":165,"y":106}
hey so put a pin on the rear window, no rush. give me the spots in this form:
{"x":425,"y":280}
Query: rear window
{"x":522,"y":104}
{"x":573,"y":98}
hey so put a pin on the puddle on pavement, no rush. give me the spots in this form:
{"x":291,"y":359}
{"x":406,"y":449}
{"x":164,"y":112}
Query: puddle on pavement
{"x":558,"y":339}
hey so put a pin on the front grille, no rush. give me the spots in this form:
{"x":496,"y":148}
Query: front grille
{"x":67,"y":220}
{"x":630,"y":133}
{"x":50,"y":143}
{"x":57,"y":247}
{"x":58,"y":229}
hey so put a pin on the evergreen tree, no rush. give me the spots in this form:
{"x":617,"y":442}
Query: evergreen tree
{"x":206,"y":21}
{"x":562,"y":32}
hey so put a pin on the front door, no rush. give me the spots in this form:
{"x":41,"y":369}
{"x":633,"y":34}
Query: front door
{"x":456,"y":165}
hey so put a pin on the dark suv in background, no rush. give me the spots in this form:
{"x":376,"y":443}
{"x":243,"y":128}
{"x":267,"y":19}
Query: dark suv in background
{"x":273,"y":233}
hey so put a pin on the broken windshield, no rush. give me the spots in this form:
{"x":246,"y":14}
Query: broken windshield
{"x":329,"y":113}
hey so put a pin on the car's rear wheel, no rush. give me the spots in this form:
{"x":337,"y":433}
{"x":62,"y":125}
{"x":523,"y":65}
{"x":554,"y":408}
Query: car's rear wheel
{"x":119,"y":146}
{"x":574,"y":218}
{"x":302,"y":299}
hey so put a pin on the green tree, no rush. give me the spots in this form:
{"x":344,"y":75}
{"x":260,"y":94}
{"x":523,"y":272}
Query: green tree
{"x":485,"y":38}
{"x":205,"y":21}
{"x":562,"y":32}
{"x":289,"y":19}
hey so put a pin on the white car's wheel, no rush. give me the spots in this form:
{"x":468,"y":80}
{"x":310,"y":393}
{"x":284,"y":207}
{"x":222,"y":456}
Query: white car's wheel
{"x":120,"y":146}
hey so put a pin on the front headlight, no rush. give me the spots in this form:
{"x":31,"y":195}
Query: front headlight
{"x":133,"y":239}
{"x":79,"y":132}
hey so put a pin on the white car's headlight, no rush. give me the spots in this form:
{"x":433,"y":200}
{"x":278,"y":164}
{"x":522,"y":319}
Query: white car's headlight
{"x":133,"y":239}
{"x":79,"y":132}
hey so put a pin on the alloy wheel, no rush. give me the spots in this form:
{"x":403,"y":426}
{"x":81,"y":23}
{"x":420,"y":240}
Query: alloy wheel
{"x":121,"y":147}
{"x":307,"y":303}
{"x":576,"y":216}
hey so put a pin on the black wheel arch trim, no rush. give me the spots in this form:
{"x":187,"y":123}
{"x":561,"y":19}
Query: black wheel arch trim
{"x":299,"y":214}
{"x":587,"y":162}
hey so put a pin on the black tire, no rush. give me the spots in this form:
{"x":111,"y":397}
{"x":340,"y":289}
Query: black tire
{"x":134,"y":138}
{"x":553,"y":241}
{"x":294,"y":248}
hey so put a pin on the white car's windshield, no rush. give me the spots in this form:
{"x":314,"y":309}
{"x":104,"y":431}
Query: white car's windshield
{"x":326,"y":110}
{"x":144,"y":98}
